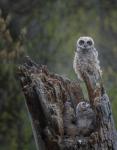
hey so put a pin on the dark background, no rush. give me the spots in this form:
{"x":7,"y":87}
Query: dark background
{"x":47,"y":31}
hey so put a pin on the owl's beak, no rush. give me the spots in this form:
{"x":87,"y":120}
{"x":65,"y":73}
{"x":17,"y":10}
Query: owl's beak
{"x":85,"y":46}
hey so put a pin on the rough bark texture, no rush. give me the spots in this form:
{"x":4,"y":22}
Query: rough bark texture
{"x":58,"y":120}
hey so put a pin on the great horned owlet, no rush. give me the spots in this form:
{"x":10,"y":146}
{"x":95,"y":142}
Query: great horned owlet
{"x":86,"y":58}
{"x":86,"y":119}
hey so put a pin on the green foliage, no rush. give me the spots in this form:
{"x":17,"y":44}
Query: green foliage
{"x":15,"y":129}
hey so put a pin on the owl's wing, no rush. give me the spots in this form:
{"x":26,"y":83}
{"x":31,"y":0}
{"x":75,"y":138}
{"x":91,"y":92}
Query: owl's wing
{"x":75,"y":64}
{"x":96,"y":53}
{"x":97,"y":62}
{"x":96,"y":56}
{"x":76,"y":67}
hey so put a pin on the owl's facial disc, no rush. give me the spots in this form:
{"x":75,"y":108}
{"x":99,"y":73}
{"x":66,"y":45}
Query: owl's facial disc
{"x":85,"y":43}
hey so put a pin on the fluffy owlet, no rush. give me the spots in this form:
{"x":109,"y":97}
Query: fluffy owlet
{"x":86,"y":119}
{"x":86,"y":58}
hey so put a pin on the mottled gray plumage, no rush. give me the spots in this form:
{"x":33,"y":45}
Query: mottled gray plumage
{"x":86,"y":119}
{"x":86,"y":58}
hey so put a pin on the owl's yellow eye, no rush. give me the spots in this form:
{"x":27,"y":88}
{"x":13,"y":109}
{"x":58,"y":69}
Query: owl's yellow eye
{"x":89,"y":43}
{"x":81,"y":42}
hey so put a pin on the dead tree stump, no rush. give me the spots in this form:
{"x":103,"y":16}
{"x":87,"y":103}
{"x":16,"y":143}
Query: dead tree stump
{"x":60,"y":116}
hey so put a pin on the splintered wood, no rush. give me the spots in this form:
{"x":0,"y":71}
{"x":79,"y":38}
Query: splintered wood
{"x":61,"y":118}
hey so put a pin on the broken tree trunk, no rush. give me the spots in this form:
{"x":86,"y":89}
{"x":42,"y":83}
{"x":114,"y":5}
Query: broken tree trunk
{"x":61,"y":118}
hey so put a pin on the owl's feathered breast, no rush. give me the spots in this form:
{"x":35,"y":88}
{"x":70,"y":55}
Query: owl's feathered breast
{"x":86,"y":61}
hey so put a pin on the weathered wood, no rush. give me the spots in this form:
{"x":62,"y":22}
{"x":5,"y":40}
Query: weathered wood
{"x":58,"y":123}
{"x":99,"y":100}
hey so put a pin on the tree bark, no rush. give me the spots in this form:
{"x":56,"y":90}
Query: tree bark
{"x":53,"y":104}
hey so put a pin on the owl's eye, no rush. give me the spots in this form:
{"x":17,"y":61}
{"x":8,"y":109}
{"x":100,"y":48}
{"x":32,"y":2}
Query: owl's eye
{"x":89,"y":43}
{"x":81,"y":42}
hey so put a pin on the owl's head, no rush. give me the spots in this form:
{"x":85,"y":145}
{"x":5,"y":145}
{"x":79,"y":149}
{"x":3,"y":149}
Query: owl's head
{"x":82,"y":106}
{"x":85,"y":43}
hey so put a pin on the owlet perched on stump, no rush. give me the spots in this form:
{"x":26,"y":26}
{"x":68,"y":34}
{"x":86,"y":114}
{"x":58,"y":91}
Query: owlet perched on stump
{"x":86,"y":58}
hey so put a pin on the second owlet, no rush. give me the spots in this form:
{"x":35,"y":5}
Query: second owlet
{"x":86,"y":58}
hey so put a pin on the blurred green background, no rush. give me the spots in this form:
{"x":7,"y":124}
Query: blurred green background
{"x":47,"y":31}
